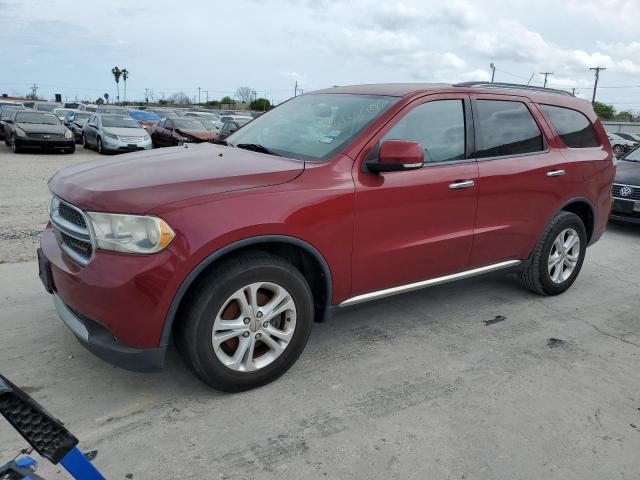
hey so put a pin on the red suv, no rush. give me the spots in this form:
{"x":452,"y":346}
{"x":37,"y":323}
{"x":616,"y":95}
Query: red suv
{"x":336,"y":197}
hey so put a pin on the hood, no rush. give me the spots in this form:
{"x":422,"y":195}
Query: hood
{"x":628,"y":173}
{"x":138,"y":182}
{"x":42,"y":128}
{"x":198,"y":134}
{"x":124,"y":131}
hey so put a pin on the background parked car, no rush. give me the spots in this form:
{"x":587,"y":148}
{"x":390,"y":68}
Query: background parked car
{"x":10,"y":103}
{"x":75,"y":121}
{"x":163,"y":112}
{"x":620,"y":145}
{"x":239,"y":119}
{"x":89,"y":107}
{"x":5,"y":112}
{"x":208,"y":115}
{"x":634,"y":137}
{"x":32,"y":129}
{"x":173,"y":131}
{"x":626,"y":188}
{"x":145,"y":118}
{"x":110,"y":133}
{"x":46,"y":106}
{"x":62,"y":113}
{"x":227,"y":129}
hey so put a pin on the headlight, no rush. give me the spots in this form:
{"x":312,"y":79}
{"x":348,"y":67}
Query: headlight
{"x":110,"y":135}
{"x":68,"y":134}
{"x":130,"y":233}
{"x":20,"y":132}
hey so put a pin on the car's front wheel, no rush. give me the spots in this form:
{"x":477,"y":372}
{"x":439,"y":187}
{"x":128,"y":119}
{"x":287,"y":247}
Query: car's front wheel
{"x":247,"y":322}
{"x":558,"y":256}
{"x":14,"y":147}
{"x":99,"y":145}
{"x":84,"y":142}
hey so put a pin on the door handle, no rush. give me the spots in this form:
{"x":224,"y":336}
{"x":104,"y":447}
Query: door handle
{"x":459,"y":185}
{"x":556,"y":173}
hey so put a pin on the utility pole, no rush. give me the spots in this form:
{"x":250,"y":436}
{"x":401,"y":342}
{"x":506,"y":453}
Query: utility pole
{"x":295,"y":91}
{"x":493,"y":71}
{"x":34,"y":90}
{"x":546,"y":74}
{"x":198,"y":94}
{"x":207,"y":93}
{"x":573,"y":91}
{"x":595,"y":85}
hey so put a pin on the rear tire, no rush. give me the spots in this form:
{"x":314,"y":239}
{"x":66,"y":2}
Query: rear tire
{"x":557,"y":258}
{"x":222,"y":364}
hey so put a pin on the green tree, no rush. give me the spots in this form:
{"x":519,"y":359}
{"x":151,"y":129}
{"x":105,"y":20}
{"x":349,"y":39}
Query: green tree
{"x":260,"y":105}
{"x":117,"y":73}
{"x":99,"y":101}
{"x":227,"y":100}
{"x":624,"y":116}
{"x":604,"y":111}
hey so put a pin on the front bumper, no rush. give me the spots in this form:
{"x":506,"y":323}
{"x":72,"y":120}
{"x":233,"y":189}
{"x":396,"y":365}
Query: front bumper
{"x":57,"y":143}
{"x":101,"y":342}
{"x":117,"y":304}
{"x":625,"y":210}
{"x":118,"y":145}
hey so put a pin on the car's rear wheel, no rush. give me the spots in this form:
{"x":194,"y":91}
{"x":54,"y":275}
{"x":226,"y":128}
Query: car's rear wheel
{"x":558,"y":256}
{"x":246,"y":322}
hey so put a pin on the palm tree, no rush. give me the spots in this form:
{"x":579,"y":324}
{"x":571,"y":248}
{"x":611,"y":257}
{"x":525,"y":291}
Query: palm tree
{"x":106,"y":97}
{"x":125,"y":75}
{"x":116,"y":74}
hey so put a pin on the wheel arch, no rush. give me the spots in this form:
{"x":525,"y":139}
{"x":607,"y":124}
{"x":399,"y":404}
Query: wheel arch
{"x":302,"y":254}
{"x":583,"y":208}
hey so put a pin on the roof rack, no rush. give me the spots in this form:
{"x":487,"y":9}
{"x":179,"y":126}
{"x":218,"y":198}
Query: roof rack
{"x":515,"y":86}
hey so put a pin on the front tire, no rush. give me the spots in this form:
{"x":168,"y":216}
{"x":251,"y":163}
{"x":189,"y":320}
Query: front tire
{"x":558,"y":256}
{"x":84,"y":142}
{"x":14,"y":147}
{"x":246,"y":322}
{"x":99,"y":146}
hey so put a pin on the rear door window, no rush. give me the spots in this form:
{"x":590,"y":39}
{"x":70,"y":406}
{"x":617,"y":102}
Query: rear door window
{"x":574,"y":128}
{"x":505,"y":128}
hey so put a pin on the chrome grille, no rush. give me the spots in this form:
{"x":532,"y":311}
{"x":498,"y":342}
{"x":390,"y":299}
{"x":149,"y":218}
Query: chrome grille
{"x":634,"y":191}
{"x":70,"y":227}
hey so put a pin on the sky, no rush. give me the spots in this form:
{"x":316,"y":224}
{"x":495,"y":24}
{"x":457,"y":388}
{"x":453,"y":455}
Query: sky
{"x":69,"y":47}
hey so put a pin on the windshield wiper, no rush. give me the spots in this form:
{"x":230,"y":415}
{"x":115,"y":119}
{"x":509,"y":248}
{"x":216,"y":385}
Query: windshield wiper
{"x":256,"y":147}
{"x":220,"y":142}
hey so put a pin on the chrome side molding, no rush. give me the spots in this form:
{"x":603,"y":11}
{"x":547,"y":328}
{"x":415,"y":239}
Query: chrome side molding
{"x":387,"y":292}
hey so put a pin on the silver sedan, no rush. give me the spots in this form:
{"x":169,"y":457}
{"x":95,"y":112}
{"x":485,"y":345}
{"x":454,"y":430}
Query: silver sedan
{"x":110,"y":133}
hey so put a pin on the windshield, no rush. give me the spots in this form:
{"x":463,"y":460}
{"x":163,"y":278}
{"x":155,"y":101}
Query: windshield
{"x":34,"y":117}
{"x":119,"y":121}
{"x":208,"y":124}
{"x":189,"y":124}
{"x":313,"y":127}
{"x":6,"y":112}
{"x":140,"y":115}
{"x":633,"y":155}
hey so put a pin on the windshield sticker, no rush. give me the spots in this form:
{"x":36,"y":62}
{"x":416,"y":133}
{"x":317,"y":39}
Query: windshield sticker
{"x":327,"y":139}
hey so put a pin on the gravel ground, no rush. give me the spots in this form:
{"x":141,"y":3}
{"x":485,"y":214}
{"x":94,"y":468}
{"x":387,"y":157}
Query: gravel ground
{"x":24,"y":196}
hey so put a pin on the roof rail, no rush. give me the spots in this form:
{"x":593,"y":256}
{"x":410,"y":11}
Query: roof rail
{"x":515,"y":86}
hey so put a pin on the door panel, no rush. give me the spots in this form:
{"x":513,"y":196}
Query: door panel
{"x":517,"y":196}
{"x":411,"y":225}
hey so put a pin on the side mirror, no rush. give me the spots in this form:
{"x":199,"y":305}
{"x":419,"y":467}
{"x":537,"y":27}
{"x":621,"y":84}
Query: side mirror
{"x":397,"y":156}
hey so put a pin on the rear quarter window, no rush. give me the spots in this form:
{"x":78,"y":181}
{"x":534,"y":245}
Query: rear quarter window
{"x":574,"y":127}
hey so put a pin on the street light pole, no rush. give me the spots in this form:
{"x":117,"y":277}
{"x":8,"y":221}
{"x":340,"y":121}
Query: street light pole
{"x":546,"y":74}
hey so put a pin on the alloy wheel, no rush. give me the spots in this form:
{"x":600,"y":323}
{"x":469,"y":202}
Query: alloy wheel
{"x":564,"y":256}
{"x":254,"y":326}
